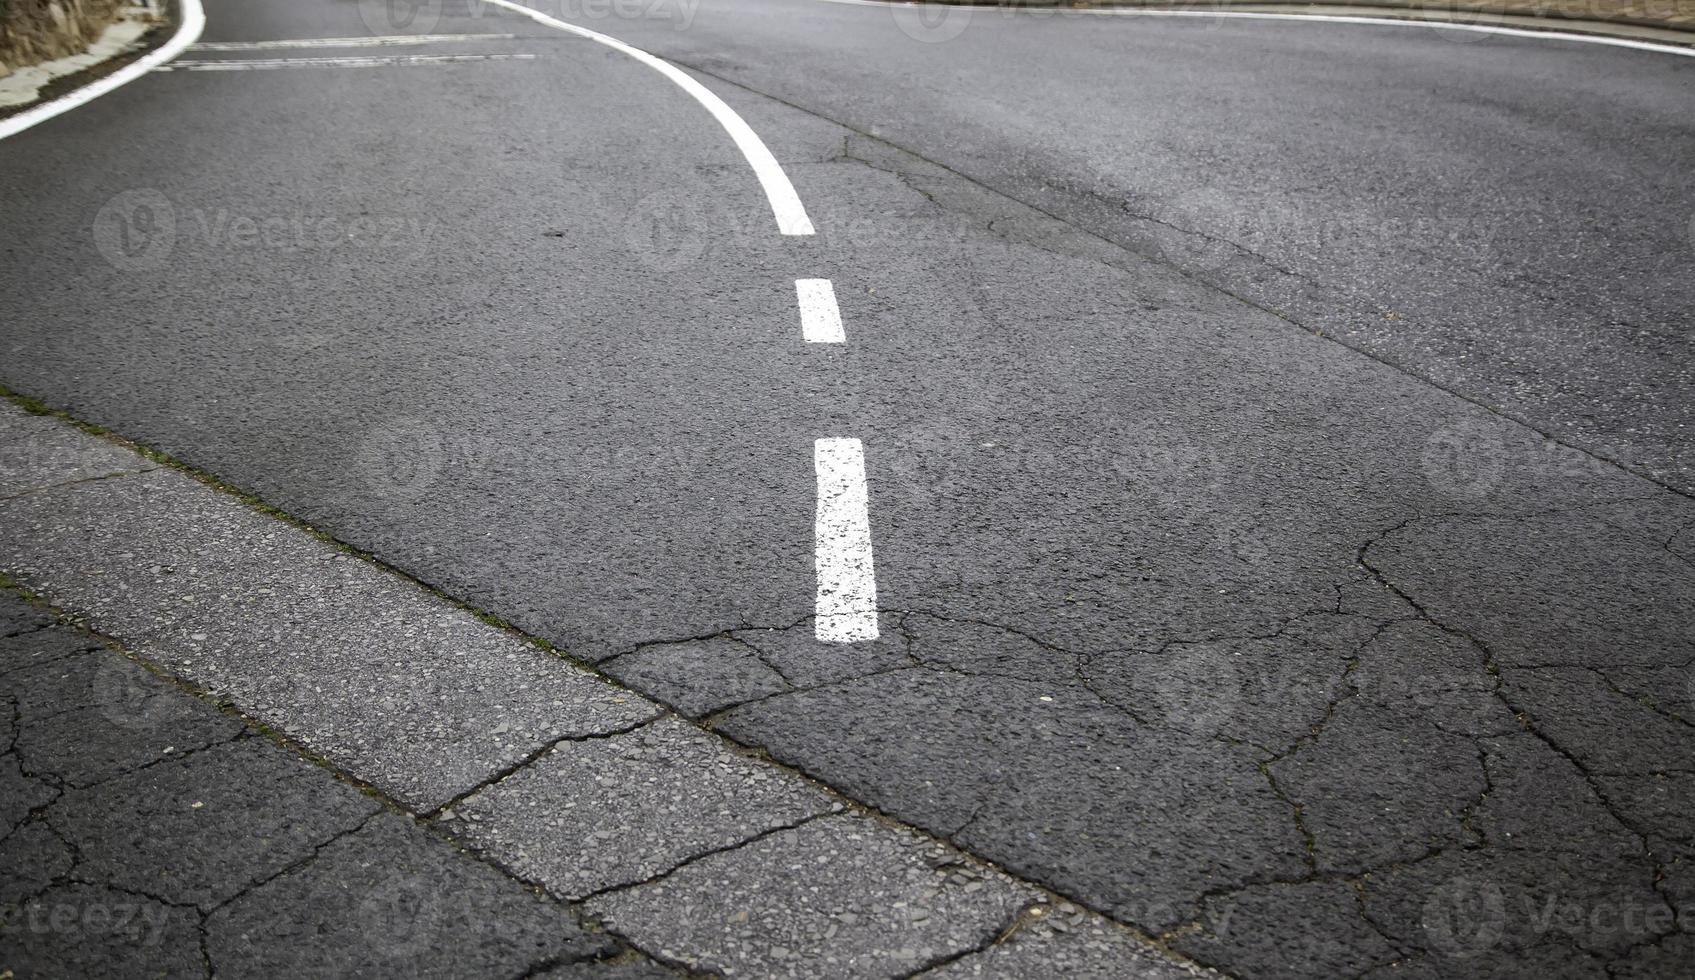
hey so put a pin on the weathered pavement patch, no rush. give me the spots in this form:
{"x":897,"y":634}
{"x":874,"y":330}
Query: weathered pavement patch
{"x":409,"y":692}
{"x":42,"y":451}
{"x":250,"y":860}
{"x":148,"y":833}
{"x":1065,"y":942}
{"x":644,"y":800}
{"x":841,"y":883}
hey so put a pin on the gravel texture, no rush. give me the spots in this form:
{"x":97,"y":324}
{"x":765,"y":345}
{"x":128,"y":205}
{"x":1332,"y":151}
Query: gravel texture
{"x":1065,"y":941}
{"x":143,"y":832}
{"x":840,"y":896}
{"x":399,"y":687}
{"x":608,"y":812}
{"x":42,"y":451}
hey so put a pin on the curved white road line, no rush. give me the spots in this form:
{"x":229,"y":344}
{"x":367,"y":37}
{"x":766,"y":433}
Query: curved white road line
{"x":785,"y":203}
{"x":193,"y":22}
{"x":1617,"y":42}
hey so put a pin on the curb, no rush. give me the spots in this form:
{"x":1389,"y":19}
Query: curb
{"x":1480,"y":18}
{"x":71,"y":91}
{"x":1466,"y":9}
{"x":148,"y":830}
{"x":679,"y":841}
{"x":21,"y":86}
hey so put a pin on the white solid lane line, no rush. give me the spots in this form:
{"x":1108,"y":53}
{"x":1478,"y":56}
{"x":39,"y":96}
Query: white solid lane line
{"x":785,"y":203}
{"x":847,"y":583}
{"x":820,"y":319}
{"x":366,"y":61}
{"x":348,"y":42}
{"x":1617,"y":42}
{"x":193,"y":22}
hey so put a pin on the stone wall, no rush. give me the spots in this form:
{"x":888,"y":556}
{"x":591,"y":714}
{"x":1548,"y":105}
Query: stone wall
{"x":33,"y":31}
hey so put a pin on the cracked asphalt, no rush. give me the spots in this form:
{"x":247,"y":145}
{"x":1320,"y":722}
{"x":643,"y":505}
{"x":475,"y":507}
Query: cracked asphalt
{"x":147,"y":833}
{"x":1278,"y":434}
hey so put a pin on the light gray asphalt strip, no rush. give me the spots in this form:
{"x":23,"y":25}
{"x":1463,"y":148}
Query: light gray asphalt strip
{"x":144,"y":832}
{"x":45,"y":452}
{"x":846,"y":882}
{"x":645,"y":800}
{"x":411,"y":693}
{"x":414,"y":695}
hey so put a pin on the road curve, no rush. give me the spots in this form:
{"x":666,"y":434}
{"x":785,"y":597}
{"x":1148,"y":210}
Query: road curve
{"x":1277,"y":433}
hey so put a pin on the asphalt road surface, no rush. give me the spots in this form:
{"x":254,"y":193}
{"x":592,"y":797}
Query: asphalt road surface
{"x":1278,"y":437}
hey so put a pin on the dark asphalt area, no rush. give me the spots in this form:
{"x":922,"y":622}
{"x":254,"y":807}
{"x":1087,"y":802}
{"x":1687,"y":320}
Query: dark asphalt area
{"x":1278,"y":434}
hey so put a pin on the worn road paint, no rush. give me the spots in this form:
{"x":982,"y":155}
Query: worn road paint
{"x":1213,"y":14}
{"x":368,"y":61}
{"x":820,"y":319}
{"x":392,"y":40}
{"x":847,"y":581}
{"x":785,"y":203}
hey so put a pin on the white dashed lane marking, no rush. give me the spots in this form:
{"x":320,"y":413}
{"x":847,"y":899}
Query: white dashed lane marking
{"x":847,"y":582}
{"x":846,"y":579}
{"x":820,"y":319}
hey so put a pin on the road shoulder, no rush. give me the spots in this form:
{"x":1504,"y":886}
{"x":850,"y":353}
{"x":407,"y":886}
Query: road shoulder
{"x":169,"y":759}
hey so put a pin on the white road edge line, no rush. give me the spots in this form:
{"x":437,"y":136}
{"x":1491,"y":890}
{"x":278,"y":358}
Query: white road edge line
{"x":193,"y":22}
{"x":785,"y":203}
{"x":348,"y":42}
{"x":352,"y":61}
{"x":820,"y":318}
{"x":847,"y":582}
{"x":1617,"y":42}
